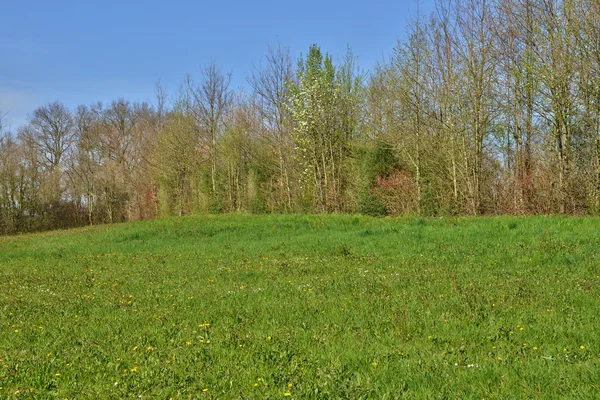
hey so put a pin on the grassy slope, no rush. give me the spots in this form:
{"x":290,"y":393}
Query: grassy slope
{"x":312,"y":306}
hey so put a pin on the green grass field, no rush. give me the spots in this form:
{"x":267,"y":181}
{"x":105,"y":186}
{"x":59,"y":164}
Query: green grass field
{"x":320,"y":307}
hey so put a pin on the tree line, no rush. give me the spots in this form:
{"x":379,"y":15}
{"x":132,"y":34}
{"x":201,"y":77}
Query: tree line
{"x":487,"y":107}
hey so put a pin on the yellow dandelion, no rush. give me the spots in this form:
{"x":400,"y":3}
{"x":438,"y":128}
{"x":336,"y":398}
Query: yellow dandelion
{"x":56,"y":374}
{"x":534,"y":348}
{"x":582,"y":347}
{"x":287,"y":394}
{"x":205,"y":390}
{"x":499,"y":358}
{"x":290,"y":385}
{"x":256,"y":385}
{"x":374,"y":363}
{"x":134,"y":369}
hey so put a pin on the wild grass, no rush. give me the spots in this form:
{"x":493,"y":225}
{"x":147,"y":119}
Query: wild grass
{"x":242,"y":306}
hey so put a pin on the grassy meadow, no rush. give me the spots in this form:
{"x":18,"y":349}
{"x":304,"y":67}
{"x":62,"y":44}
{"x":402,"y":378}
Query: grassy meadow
{"x":306,"y":307}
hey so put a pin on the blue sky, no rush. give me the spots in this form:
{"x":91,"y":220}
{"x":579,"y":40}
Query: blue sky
{"x":84,"y":51}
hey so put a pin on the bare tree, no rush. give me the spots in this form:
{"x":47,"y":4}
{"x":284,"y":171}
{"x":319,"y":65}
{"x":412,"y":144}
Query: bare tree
{"x":557,"y":106}
{"x":86,"y":161}
{"x":49,"y":134}
{"x":476,"y":48}
{"x":447,"y":93}
{"x":411,"y":68}
{"x":516,"y":50}
{"x":210,"y":102}
{"x":587,"y":32}
{"x":51,"y":129}
{"x":270,"y":84}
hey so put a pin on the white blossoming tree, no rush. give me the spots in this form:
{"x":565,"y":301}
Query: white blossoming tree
{"x":324,"y":107}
